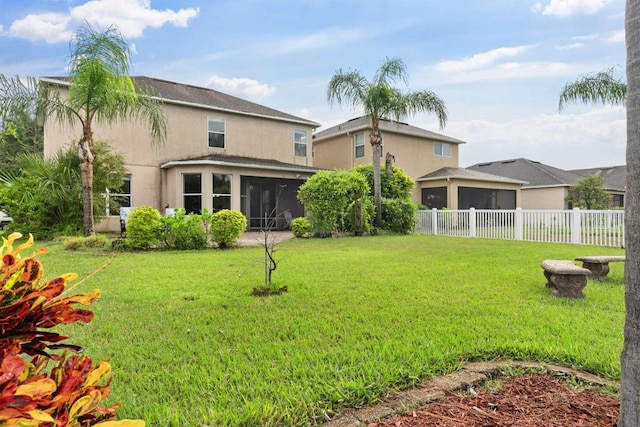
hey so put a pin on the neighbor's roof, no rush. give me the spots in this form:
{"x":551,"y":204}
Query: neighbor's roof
{"x":614,"y":176}
{"x":200,"y":97}
{"x":362,"y":123}
{"x":460,"y":173}
{"x":239,"y":161}
{"x":535,"y":173}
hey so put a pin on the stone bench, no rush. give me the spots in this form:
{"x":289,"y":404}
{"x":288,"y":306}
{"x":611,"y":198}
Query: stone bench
{"x":565,"y":277}
{"x":599,"y":265}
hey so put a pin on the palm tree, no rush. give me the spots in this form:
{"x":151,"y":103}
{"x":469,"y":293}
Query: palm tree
{"x":630,"y":359}
{"x":380,"y":100}
{"x":100,"y":91}
{"x":596,"y":88}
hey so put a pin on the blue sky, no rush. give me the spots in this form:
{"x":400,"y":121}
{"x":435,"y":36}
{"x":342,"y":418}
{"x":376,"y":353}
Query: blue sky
{"x":499,"y":65}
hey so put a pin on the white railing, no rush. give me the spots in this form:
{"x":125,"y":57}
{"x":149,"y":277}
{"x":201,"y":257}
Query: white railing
{"x":587,"y":227}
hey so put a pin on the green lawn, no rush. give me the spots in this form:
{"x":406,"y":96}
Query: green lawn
{"x":363,"y":317}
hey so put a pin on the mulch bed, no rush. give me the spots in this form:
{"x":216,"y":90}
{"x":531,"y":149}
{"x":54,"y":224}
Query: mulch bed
{"x":529,"y":400}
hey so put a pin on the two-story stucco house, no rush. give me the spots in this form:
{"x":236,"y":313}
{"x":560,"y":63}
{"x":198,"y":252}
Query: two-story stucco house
{"x":428,"y":158}
{"x":220,"y":152}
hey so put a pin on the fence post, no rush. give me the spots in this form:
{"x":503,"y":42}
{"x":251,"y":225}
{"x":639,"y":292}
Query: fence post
{"x":519,"y":224}
{"x":472,"y":222}
{"x":575,"y":226}
{"x":434,"y":221}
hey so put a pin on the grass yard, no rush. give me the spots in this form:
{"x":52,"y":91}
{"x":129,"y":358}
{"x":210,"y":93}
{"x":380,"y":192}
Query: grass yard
{"x":363,"y":317}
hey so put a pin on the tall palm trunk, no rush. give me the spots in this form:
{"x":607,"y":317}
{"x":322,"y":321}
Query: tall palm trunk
{"x":630,"y":359}
{"x":87,"y":154}
{"x":376,"y":144}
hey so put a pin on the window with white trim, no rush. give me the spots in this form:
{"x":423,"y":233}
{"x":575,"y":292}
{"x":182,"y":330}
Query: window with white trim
{"x":119,"y":198}
{"x":216,"y":132}
{"x":442,"y":149}
{"x":300,"y":143}
{"x":358,"y":142}
{"x":221,"y":191}
{"x":192,"y":192}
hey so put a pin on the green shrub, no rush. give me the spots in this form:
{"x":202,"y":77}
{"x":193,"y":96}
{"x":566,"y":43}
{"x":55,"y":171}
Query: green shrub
{"x":226,"y":227}
{"x":99,"y":241}
{"x":181,"y":232}
{"x":359,"y":216}
{"x":398,"y":215}
{"x":301,"y":227}
{"x":143,"y":228}
{"x":327,"y":196}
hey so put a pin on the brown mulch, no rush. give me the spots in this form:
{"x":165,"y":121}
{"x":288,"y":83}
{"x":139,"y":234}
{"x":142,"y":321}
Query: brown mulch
{"x":530,"y":400}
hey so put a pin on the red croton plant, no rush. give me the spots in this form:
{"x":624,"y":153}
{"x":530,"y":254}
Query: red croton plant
{"x":47,"y":389}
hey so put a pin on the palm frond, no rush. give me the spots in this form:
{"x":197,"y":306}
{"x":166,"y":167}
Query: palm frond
{"x":597,"y":88}
{"x":349,"y":86}
{"x":425,"y":102}
{"x":391,"y":70}
{"x":17,"y":96}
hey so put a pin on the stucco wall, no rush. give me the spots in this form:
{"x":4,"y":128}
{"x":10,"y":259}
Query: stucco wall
{"x":412,"y":154}
{"x":187,"y":138}
{"x":545,"y":198}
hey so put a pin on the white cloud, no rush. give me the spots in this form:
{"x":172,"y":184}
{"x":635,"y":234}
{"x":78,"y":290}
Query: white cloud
{"x":567,"y":141}
{"x":243,"y":87}
{"x":481,"y":60}
{"x":570,"y":46}
{"x":50,"y":27}
{"x":570,"y":7}
{"x":615,"y":37}
{"x":507,"y":71}
{"x":131,"y":17}
{"x":132,"y":48}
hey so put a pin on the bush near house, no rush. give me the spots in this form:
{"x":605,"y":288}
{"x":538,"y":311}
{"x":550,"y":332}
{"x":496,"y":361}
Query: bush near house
{"x":143,"y":228}
{"x":301,"y":227}
{"x":327,"y":197}
{"x":181,"y":232}
{"x":227,"y":226}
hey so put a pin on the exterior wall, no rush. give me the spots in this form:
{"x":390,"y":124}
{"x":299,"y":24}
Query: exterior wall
{"x":452,"y":185}
{"x":545,"y":198}
{"x":412,"y":154}
{"x":335,"y":153}
{"x":173,"y":193}
{"x":187,"y":138}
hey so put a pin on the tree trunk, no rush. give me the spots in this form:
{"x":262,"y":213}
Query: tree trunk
{"x":376,"y":144}
{"x":87,"y":154}
{"x":630,"y":359}
{"x":388,"y":163}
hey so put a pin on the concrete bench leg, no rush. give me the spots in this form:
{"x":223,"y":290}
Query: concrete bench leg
{"x":599,"y":271}
{"x":568,"y":286}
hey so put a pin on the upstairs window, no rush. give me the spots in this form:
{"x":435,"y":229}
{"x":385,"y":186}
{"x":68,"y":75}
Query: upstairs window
{"x":358,"y":142}
{"x":300,"y":143}
{"x":442,"y":149}
{"x":216,"y":132}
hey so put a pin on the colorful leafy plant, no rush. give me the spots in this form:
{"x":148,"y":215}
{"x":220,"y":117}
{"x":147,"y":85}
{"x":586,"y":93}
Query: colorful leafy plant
{"x":31,"y":396}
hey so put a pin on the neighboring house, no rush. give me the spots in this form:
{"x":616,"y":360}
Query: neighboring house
{"x":457,"y":188}
{"x":615,"y":178}
{"x":428,"y":158}
{"x":547,"y":187}
{"x":220,"y":152}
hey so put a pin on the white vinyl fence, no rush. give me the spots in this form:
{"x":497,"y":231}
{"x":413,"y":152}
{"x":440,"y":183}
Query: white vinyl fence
{"x":585,"y":227}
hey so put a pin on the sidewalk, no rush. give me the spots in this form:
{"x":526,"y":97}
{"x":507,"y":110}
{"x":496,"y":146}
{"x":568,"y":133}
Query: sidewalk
{"x":256,"y":238}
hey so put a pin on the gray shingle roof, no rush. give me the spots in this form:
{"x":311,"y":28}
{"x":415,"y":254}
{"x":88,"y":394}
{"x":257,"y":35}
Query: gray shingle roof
{"x":240,"y":161}
{"x":461,"y":173}
{"x":614,"y":176}
{"x":172,"y":92}
{"x":535,"y":173}
{"x":362,"y":122}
